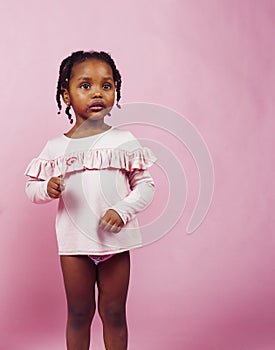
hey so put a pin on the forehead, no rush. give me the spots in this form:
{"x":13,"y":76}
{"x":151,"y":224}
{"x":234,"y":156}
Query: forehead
{"x":92,"y":68}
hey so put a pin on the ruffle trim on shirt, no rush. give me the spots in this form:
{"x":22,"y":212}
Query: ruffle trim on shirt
{"x":141,"y":158}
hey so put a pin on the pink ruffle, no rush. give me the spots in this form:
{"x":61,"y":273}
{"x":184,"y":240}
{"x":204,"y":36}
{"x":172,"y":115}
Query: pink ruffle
{"x":141,"y":158}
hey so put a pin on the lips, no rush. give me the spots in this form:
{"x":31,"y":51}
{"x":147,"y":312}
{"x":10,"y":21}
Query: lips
{"x":96,"y":106}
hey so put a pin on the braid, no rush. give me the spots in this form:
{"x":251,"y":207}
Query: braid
{"x":117,"y":77}
{"x":65,"y":71}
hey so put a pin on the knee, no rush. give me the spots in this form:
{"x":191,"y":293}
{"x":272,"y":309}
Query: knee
{"x":113,"y":315}
{"x":80,"y":316}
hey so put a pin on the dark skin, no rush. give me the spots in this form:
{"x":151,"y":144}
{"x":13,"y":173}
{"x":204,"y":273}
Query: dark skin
{"x":92,"y":81}
{"x":112,"y":278}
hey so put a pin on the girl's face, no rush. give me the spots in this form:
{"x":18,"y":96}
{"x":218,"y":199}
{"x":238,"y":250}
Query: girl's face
{"x":91,"y":91}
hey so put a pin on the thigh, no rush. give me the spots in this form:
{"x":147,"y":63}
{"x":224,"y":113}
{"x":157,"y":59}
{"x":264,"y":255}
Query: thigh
{"x":113,"y":279}
{"x":79,"y":274}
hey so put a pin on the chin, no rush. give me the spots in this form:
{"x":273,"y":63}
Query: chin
{"x":97,"y":116}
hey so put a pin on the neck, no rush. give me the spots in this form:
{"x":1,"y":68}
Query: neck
{"x":88,"y":128}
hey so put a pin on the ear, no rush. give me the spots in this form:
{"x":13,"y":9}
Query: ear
{"x":66,"y":97}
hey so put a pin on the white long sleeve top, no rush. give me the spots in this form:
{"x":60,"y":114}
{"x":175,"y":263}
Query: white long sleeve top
{"x":101,"y":172}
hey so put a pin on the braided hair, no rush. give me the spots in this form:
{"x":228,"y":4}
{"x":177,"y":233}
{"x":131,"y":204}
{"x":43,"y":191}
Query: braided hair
{"x":65,"y":71}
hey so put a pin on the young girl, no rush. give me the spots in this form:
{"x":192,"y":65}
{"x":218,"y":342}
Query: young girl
{"x":99,"y":175}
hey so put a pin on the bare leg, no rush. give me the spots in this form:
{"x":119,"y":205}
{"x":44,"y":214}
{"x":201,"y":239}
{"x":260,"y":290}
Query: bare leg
{"x":113,"y":281}
{"x":79,"y":274}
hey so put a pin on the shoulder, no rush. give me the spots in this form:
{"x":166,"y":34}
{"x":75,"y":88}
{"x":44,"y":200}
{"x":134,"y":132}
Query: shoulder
{"x":123,"y":139}
{"x":57,"y":140}
{"x":53,"y":147}
{"x":121,"y":133}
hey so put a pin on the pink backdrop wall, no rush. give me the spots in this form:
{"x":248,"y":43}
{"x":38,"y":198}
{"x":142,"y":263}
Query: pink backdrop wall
{"x":213,"y":62}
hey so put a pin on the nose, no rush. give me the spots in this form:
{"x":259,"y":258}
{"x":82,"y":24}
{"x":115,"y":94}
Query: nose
{"x":97,"y":95}
{"x":96,"y":92}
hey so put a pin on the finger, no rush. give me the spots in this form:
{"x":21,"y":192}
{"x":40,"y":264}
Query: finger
{"x":105,"y":219}
{"x":62,"y":187}
{"x":61,"y":182}
{"x":102,"y":221}
{"x":58,"y":185}
{"x":54,"y":189}
{"x":105,"y":225}
{"x":112,"y":226}
{"x":53,"y":185}
{"x":54,"y":193}
{"x":115,"y":229}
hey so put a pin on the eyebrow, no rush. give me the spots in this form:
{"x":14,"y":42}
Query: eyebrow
{"x":88,"y":78}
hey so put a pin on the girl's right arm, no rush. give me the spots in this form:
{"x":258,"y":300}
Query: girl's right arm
{"x":36,"y":190}
{"x":41,"y":186}
{"x":43,"y":191}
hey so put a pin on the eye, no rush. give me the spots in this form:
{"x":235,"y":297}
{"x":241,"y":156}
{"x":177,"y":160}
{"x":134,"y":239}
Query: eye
{"x":85,"y":86}
{"x":106,"y":86}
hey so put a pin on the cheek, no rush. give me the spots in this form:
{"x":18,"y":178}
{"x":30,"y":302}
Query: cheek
{"x":112,"y":97}
{"x":78,"y":96}
{"x":109,"y":98}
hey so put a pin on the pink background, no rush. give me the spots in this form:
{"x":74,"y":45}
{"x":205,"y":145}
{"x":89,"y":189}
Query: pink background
{"x":212,"y":61}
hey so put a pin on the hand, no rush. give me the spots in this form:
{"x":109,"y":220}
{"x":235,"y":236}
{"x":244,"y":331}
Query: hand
{"x":55,"y":187}
{"x":111,"y":221}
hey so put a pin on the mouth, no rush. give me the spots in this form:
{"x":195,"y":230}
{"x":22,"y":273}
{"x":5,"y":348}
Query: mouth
{"x":96,"y":106}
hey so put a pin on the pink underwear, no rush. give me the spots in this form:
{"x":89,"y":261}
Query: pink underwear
{"x":100,"y":258}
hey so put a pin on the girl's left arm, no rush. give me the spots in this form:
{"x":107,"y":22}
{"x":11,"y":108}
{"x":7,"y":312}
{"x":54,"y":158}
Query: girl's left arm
{"x":142,"y":192}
